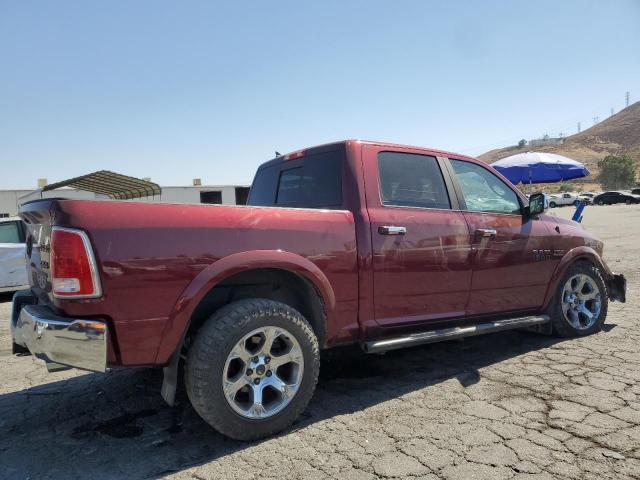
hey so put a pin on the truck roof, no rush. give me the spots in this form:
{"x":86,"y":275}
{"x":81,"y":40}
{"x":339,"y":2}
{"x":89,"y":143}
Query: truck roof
{"x":326,"y":146}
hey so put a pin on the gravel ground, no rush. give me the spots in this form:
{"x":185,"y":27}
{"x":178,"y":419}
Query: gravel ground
{"x":507,"y":405}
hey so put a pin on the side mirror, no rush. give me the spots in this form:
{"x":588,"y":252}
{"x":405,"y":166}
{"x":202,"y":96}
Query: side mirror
{"x":538,"y":203}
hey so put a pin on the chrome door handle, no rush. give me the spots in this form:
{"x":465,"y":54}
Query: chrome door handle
{"x":487,"y":232}
{"x":391,"y":230}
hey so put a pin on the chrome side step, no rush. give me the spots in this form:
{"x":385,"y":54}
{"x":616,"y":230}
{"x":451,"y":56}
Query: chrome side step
{"x":453,"y":333}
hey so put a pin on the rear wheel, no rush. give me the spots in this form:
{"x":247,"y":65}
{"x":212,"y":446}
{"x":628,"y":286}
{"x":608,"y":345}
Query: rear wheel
{"x":628,"y":201}
{"x":600,"y":202}
{"x":252,"y":368}
{"x":580,"y":304}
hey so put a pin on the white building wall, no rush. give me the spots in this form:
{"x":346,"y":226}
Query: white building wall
{"x":10,"y":200}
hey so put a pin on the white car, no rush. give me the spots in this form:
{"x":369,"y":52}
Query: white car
{"x":559,"y":199}
{"x":13,"y":266}
{"x":587,"y":197}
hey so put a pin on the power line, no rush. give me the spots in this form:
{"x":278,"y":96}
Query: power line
{"x":564,"y":125}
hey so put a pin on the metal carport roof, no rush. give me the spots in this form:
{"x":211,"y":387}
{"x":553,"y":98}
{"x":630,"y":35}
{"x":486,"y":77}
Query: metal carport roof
{"x":114,"y":185}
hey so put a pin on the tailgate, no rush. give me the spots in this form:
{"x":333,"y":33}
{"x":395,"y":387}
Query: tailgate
{"x":37,"y":216}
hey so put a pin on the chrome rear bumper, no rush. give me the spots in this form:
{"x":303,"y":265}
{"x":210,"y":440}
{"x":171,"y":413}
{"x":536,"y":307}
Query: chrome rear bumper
{"x":61,"y":342}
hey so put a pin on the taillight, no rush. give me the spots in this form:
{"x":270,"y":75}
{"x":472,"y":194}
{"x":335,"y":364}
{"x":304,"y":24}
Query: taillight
{"x":74,"y":273}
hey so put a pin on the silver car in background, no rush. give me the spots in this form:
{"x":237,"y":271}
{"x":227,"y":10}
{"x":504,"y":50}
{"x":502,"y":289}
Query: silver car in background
{"x":13,"y":269}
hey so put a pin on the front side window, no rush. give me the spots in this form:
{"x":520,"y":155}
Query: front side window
{"x":410,"y":180}
{"x":483,"y":191}
{"x":10,"y":232}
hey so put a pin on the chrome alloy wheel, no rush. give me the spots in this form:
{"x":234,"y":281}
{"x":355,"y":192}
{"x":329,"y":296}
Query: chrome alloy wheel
{"x":263,"y":372}
{"x":581,"y":301}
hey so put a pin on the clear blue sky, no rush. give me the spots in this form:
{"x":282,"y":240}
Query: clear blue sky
{"x":177,"y":90}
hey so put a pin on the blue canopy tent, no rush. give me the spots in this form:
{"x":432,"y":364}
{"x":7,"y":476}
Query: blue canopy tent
{"x":537,"y":167}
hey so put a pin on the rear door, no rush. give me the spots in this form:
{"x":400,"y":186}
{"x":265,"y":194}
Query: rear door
{"x":421,"y":243}
{"x":511,"y":252}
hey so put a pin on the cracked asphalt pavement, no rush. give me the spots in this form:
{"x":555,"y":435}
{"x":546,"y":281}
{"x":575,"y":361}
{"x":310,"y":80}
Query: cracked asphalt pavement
{"x":507,"y":405}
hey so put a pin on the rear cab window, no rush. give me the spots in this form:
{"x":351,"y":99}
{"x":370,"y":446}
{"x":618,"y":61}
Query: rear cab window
{"x":313,"y":180}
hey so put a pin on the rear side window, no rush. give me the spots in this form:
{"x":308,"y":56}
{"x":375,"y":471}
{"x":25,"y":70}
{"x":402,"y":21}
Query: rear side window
{"x":313,"y":181}
{"x":10,"y":232}
{"x":410,"y":180}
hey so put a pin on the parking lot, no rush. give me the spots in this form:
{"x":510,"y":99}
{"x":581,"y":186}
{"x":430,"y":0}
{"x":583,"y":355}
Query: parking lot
{"x":507,"y":405}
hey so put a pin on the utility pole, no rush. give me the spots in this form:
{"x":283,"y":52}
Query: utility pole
{"x":578,"y":127}
{"x":627,"y":95}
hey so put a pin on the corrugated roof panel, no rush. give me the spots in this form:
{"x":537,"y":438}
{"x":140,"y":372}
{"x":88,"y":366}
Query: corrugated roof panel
{"x":114,"y":185}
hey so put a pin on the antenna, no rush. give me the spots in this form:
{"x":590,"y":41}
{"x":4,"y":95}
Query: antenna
{"x":627,"y":95}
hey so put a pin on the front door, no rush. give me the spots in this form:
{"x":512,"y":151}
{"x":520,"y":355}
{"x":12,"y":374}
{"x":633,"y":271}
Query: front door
{"x":511,"y":251}
{"x":421,"y":246}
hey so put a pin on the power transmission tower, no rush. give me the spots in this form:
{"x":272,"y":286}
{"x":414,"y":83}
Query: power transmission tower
{"x":612,"y":112}
{"x":627,"y":95}
{"x":578,"y":127}
{"x":595,"y":120}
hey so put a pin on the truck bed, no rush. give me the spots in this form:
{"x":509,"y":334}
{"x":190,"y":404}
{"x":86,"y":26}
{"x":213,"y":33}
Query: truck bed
{"x":152,"y":257}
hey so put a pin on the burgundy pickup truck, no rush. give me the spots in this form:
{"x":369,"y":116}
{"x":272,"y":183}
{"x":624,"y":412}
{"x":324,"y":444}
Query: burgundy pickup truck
{"x":382,"y":245}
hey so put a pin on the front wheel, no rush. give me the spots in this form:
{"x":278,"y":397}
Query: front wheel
{"x":252,"y":368}
{"x":552,"y":204}
{"x":600,"y":202}
{"x":580,"y":304}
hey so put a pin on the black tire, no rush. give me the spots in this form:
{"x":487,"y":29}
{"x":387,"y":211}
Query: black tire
{"x":561,"y":325}
{"x":207,"y":356}
{"x":600,"y":202}
{"x":628,"y":201}
{"x":552,"y":205}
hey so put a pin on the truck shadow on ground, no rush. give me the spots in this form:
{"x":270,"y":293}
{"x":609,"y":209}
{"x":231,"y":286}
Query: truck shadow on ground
{"x":116,"y":424}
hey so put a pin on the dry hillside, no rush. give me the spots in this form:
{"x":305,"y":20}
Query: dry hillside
{"x":617,"y":135}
